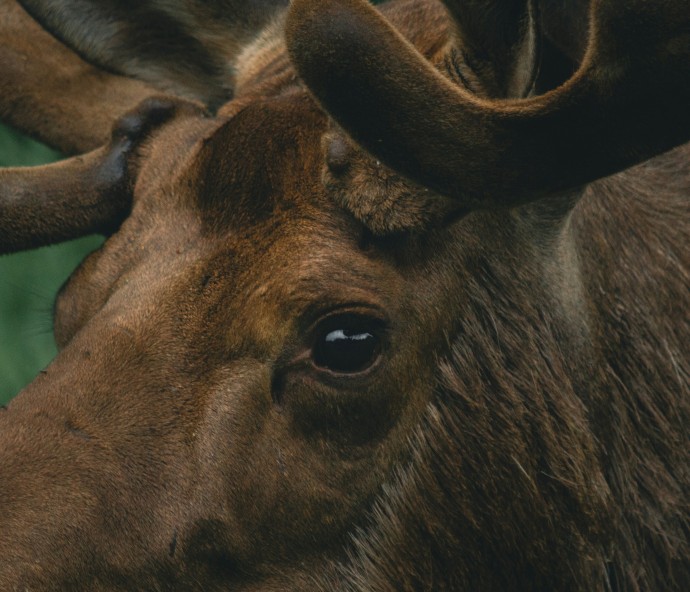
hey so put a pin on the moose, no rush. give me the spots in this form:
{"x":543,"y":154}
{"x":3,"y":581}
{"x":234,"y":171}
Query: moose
{"x":392,"y":298}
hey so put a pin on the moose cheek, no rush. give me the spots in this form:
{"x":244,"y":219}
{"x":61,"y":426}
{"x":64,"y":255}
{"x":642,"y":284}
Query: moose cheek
{"x":71,"y":311}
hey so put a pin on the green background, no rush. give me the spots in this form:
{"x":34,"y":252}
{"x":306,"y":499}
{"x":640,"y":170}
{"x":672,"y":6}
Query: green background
{"x":28,"y":284}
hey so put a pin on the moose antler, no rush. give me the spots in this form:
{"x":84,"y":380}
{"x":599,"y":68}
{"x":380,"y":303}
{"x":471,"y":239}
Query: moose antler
{"x":626,"y":103}
{"x":181,"y":47}
{"x":47,"y":204}
{"x":500,"y":40}
{"x":60,"y":98}
{"x":82,"y":195}
{"x":63,"y":98}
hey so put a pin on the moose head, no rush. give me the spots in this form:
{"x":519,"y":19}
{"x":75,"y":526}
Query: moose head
{"x":379,"y":307}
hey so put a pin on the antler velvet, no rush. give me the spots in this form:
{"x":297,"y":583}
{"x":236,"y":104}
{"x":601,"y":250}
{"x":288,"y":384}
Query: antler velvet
{"x":82,"y":195}
{"x":60,"y":99}
{"x":72,"y":198}
{"x":626,"y":103}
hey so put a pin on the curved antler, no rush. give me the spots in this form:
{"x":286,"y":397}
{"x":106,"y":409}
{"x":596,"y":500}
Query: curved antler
{"x":500,"y":41}
{"x":81,"y":195}
{"x":627,"y":102}
{"x":72,"y":198}
{"x":51,"y":93}
{"x":180,"y":47}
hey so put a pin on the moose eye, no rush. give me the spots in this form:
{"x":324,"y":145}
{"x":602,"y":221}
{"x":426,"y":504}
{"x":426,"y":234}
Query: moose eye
{"x":347,"y":345}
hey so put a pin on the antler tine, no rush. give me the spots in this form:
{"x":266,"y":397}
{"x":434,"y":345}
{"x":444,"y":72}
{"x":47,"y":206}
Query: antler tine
{"x":52,"y":203}
{"x":627,"y":102}
{"x":82,"y":195}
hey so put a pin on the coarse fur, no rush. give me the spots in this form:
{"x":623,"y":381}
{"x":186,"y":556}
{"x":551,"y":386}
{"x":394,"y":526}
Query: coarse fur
{"x":525,"y":424}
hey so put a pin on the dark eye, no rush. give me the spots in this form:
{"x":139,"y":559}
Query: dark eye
{"x":347,"y":345}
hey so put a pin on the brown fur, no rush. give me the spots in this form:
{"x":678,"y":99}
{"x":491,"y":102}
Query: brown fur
{"x":526,"y":425}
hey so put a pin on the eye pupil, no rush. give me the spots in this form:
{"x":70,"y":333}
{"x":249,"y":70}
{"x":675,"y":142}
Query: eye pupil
{"x":346,"y":349}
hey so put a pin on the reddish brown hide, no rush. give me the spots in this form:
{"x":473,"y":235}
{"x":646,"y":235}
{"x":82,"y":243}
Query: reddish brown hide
{"x":368,"y":317}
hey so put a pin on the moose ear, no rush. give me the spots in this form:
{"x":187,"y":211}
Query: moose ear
{"x":499,"y":41}
{"x":185,"y":47}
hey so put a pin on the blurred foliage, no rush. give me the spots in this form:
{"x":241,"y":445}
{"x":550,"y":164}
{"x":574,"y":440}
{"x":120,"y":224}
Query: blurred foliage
{"x":28,"y":284}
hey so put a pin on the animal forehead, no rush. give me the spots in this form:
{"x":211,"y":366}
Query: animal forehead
{"x":237,"y":184}
{"x":259,"y":163}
